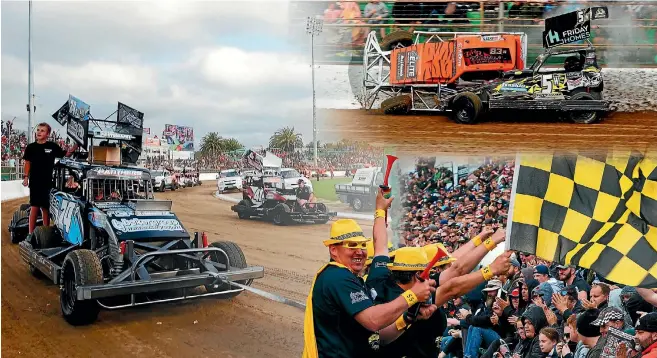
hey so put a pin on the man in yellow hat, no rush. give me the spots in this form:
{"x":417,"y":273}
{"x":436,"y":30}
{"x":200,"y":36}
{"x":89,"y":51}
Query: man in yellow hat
{"x":341,"y":319}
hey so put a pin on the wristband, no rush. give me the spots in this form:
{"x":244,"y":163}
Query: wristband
{"x":487,"y":272}
{"x":400,"y":323}
{"x":410,"y":297}
{"x":490,"y":245}
{"x":476,"y":241}
{"x":379,"y":213}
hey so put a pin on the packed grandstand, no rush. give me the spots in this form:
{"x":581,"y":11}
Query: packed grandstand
{"x":540,"y":308}
{"x":629,"y":37}
{"x":336,"y":157}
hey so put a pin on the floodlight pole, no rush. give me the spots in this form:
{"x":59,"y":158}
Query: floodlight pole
{"x":313,"y":28}
{"x":30,"y":79}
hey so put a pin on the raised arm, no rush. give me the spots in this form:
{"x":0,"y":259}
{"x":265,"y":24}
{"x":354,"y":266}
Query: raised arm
{"x":379,"y":232}
{"x":469,"y":260}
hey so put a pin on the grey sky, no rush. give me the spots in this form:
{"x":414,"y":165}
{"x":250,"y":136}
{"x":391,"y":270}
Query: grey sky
{"x":222,"y":66}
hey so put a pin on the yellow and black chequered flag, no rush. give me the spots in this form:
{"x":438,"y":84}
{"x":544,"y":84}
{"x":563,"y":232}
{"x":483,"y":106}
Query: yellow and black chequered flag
{"x":594,"y":211}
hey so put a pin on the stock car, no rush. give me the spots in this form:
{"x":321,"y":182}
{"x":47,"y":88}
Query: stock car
{"x":470,"y":73}
{"x":112,"y":245}
{"x":267,"y":197}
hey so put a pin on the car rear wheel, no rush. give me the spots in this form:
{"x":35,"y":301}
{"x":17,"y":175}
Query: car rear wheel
{"x":357,"y":204}
{"x":585,"y":117}
{"x":466,"y":107}
{"x":237,"y":260}
{"x":18,"y":235}
{"x":397,"y":39}
{"x":81,"y":267}
{"x":397,"y":105}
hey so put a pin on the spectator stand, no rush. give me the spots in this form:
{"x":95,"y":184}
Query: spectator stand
{"x":626,"y":39}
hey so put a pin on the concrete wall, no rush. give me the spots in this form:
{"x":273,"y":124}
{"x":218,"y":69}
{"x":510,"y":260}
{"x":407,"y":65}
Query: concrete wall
{"x":13,"y":189}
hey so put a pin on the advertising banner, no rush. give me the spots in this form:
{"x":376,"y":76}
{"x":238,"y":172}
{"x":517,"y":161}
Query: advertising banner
{"x":179,"y":138}
{"x":78,"y":109}
{"x":129,"y":115}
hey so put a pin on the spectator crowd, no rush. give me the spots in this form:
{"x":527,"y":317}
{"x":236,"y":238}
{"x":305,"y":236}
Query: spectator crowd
{"x":629,"y":23}
{"x":538,"y":308}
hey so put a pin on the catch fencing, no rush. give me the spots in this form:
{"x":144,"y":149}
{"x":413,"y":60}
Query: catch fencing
{"x":628,"y":38}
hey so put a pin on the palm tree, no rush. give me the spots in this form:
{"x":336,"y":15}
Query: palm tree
{"x":286,"y":139}
{"x":231,"y":144}
{"x":211,"y":144}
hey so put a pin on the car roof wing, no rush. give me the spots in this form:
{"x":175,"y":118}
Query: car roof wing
{"x":572,"y":26}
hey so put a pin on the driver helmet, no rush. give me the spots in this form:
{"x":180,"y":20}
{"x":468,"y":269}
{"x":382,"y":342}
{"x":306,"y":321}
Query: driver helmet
{"x":571,"y":64}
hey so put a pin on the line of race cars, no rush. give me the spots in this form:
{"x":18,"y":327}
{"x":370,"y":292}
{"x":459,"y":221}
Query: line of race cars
{"x":469,"y":74}
{"x":111,"y":244}
{"x":282,"y":197}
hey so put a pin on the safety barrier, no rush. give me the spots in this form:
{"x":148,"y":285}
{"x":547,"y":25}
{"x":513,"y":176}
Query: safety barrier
{"x":13,"y":189}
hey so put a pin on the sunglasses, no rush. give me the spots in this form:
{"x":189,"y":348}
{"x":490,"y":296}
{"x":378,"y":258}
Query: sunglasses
{"x":354,"y":245}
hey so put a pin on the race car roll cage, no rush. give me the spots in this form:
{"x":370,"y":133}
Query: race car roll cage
{"x":376,"y":62}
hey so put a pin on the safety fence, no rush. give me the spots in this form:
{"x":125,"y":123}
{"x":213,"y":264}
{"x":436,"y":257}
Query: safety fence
{"x":628,"y":38}
{"x":11,"y":173}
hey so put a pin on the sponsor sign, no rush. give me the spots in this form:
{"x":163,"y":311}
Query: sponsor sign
{"x":573,"y":75}
{"x":77,"y":130}
{"x":78,"y":109}
{"x":129,"y":115}
{"x":114,"y":172}
{"x":549,"y":96}
{"x":480,"y":56}
{"x":61,"y":116}
{"x":112,"y":135}
{"x":513,"y":87}
{"x":133,"y":225}
{"x":490,"y":38}
{"x":571,"y":27}
{"x":614,"y":338}
{"x":179,"y":138}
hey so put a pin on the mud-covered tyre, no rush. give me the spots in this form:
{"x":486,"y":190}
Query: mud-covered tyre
{"x":19,"y":235}
{"x":466,"y":108}
{"x":396,"y":39}
{"x":44,"y":237}
{"x":397,"y":105}
{"x":237,"y":260}
{"x":278,"y":217}
{"x":585,"y":117}
{"x":81,"y":267}
{"x":24,"y":207}
{"x":243,"y":214}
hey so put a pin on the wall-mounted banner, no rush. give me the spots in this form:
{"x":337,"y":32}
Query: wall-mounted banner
{"x":78,"y":109}
{"x":129,"y":115}
{"x":61,"y":116}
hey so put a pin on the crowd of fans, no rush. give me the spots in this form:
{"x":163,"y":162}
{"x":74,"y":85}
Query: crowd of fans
{"x":386,"y":16}
{"x":539,"y":308}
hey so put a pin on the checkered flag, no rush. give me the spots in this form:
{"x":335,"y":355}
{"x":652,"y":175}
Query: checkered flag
{"x":594,"y":211}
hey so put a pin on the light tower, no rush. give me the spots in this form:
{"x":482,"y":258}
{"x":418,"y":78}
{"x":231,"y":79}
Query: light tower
{"x":314,"y":28}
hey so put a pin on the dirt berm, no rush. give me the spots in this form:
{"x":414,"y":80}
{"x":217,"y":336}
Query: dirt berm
{"x":247,"y":326}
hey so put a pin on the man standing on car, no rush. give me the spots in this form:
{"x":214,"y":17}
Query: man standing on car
{"x":39,"y":160}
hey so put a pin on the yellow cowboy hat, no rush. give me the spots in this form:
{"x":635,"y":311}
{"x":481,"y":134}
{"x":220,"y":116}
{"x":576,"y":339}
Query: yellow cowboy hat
{"x":409,"y":259}
{"x":431,"y":250}
{"x":370,"y":252}
{"x":346,"y":230}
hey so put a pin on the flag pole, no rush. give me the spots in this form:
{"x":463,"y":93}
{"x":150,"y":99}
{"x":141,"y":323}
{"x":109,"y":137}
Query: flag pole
{"x":30,"y":80}
{"x":512,"y":199}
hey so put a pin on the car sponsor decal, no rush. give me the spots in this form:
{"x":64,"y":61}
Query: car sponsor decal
{"x":490,"y":38}
{"x":573,"y":75}
{"x":67,"y":217}
{"x":549,"y":96}
{"x":513,"y":87}
{"x":138,"y":225}
{"x":117,"y":172}
{"x":480,"y":56}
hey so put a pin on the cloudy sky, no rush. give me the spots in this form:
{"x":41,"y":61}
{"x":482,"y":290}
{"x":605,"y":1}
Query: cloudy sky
{"x":239,"y":68}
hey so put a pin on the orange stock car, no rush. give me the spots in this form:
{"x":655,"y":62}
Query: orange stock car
{"x":427,"y":76}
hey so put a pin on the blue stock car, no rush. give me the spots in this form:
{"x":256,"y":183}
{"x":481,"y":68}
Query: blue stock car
{"x":112,"y":245}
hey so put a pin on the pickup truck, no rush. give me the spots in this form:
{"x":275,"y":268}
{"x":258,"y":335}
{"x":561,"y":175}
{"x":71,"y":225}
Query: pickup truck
{"x":360,"y":194}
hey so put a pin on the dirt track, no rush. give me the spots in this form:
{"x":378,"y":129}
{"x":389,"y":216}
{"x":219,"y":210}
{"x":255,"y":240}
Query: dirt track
{"x":247,"y":326}
{"x":440,"y":134}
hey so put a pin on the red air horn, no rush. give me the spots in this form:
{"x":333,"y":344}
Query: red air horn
{"x":387,"y":191}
